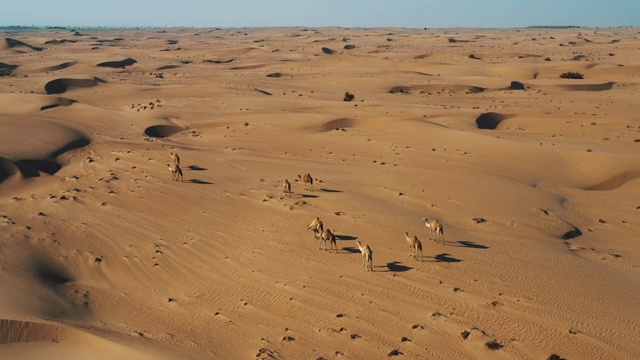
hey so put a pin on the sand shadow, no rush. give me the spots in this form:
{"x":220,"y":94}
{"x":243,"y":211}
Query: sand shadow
{"x":163,"y":131}
{"x":444,"y":257}
{"x":490,"y":120}
{"x":201,"y":182}
{"x":472,"y":245}
{"x":196,"y":168}
{"x":307,"y":196}
{"x":396,"y":266}
{"x":59,"y":86}
{"x":351,"y":250}
{"x":571,"y":234}
{"x":118,"y":64}
{"x":331,"y":190}
{"x":346,"y":237}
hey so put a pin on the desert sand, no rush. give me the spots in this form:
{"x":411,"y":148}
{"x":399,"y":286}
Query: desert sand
{"x":536,"y":183}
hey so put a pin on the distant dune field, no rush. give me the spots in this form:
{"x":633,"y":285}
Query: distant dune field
{"x":534,"y":177}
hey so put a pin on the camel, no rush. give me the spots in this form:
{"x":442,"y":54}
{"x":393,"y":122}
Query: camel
{"x":415,"y":245}
{"x":434,"y":227}
{"x":286,"y":187}
{"x":367,"y":255}
{"x":176,"y":172}
{"x":317,"y":227}
{"x":328,"y":235}
{"x":176,"y":158}
{"x":307,"y":180}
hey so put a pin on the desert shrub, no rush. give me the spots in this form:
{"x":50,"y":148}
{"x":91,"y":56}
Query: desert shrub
{"x":493,"y":345}
{"x":572,"y":75}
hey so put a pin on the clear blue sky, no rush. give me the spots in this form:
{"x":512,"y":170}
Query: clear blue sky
{"x":346,"y":13}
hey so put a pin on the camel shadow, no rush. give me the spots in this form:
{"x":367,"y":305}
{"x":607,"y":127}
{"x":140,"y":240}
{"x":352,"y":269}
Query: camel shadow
{"x":196,"y":168}
{"x":331,"y":190}
{"x":396,"y":266}
{"x":346,"y":237}
{"x":307,"y":196}
{"x":472,"y":245}
{"x":351,"y":250}
{"x":201,"y":182}
{"x":444,"y":257}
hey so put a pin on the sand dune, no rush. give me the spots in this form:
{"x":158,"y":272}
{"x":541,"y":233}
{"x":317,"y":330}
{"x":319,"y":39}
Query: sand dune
{"x":534,"y":178}
{"x":42,"y":68}
{"x":9,"y":43}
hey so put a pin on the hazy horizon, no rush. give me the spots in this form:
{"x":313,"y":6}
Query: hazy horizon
{"x":330,"y":13}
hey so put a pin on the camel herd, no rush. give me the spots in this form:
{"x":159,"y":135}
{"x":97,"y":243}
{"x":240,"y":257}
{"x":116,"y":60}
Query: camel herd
{"x":436,"y":231}
{"x":415,"y":245}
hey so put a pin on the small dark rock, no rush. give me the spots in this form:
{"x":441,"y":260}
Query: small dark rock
{"x":326,"y":50}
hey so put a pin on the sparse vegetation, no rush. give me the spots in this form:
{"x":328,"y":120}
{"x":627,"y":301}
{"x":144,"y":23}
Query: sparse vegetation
{"x":493,"y":345}
{"x":571,"y":75}
{"x":348,"y":96}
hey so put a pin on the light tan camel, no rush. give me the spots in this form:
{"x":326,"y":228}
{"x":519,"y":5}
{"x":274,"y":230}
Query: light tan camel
{"x":415,"y":245}
{"x":316,"y":227}
{"x":176,"y":158}
{"x":367,"y":255}
{"x":307,"y":180}
{"x":434,"y":228}
{"x":328,"y":235}
{"x":176,"y":172}
{"x":286,"y":187}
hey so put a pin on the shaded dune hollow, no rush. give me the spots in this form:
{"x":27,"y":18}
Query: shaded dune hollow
{"x":59,"y":102}
{"x":490,"y":120}
{"x":59,"y":86}
{"x":470,"y":89}
{"x":616,"y":181}
{"x":336,"y":124}
{"x":578,"y":87}
{"x":64,"y":65}
{"x":9,"y":43}
{"x":163,"y":131}
{"x":29,"y":168}
{"x":7,"y":69}
{"x":118,"y":64}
